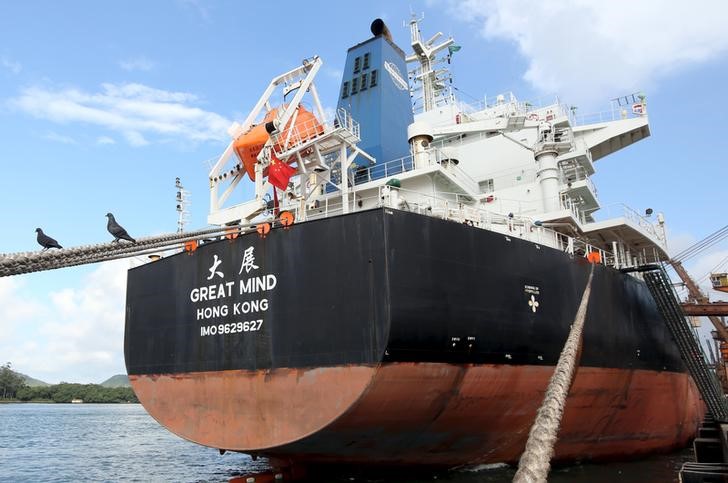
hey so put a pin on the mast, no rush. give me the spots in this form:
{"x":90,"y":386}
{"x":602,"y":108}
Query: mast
{"x":426,"y":54}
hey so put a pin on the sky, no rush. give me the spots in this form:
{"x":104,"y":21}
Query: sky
{"x":103,"y":104}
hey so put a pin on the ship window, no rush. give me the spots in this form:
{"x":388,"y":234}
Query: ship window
{"x":354,"y":85}
{"x":365,"y":64}
{"x":357,"y":65}
{"x":373,"y":80}
{"x":345,"y":90}
{"x":486,"y":186}
{"x":363,"y":82}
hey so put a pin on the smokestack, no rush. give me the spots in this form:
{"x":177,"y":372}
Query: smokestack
{"x":378,"y":28}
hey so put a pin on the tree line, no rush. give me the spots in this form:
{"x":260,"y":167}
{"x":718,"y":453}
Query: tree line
{"x":10,"y":381}
{"x":12,"y":386}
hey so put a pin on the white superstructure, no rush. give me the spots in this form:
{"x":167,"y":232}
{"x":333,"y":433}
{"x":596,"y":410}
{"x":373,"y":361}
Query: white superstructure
{"x":519,"y":168}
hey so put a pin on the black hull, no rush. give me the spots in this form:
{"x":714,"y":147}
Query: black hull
{"x":387,"y":286}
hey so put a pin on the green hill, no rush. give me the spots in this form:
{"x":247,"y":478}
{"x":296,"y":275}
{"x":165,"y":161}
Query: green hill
{"x":32,"y":382}
{"x":119,"y":380}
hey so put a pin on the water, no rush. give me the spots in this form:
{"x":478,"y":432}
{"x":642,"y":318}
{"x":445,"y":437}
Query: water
{"x":119,"y":442}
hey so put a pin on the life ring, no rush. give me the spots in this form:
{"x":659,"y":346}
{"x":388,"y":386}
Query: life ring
{"x":533,"y":117}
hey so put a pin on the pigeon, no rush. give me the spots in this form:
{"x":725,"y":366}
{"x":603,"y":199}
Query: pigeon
{"x":45,"y":241}
{"x":117,"y":230}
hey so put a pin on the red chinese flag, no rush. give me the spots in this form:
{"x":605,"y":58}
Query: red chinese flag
{"x":279,"y":174}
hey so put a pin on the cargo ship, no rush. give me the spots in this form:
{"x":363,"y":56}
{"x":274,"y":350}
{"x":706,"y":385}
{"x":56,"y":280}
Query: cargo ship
{"x":399,"y":286}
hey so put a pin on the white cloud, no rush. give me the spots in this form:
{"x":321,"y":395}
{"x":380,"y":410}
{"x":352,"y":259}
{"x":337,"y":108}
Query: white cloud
{"x":16,"y":310}
{"x":11,"y":65}
{"x":105,"y":140}
{"x":74,"y":334}
{"x":591,"y":50}
{"x":59,"y":138}
{"x":677,"y":242}
{"x":136,"y":111}
{"x":138,"y":63}
{"x":135,"y":138}
{"x":334,"y":73}
{"x":198,"y":8}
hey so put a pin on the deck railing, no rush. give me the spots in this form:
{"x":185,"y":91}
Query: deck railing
{"x":302,"y":132}
{"x":621,"y":210}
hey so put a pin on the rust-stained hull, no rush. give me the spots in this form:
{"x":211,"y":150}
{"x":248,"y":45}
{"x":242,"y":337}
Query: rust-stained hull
{"x":385,"y":337}
{"x":421,"y":413}
{"x":250,"y":410}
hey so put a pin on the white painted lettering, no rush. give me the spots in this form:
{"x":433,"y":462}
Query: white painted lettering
{"x":258,"y":284}
{"x":248,"y":306}
{"x":232,"y":328}
{"x":210,"y":312}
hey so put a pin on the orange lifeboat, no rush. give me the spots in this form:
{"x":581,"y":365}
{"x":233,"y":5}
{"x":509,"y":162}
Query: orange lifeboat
{"x":248,"y":146}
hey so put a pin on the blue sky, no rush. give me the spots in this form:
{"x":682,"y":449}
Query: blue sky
{"x":102,"y":105}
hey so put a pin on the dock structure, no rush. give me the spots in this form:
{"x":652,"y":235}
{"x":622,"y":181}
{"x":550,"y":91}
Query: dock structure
{"x":711,"y":443}
{"x":715,"y":309}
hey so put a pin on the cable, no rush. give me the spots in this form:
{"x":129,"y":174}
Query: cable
{"x":463,"y":92}
{"x":713,"y":270}
{"x":703,"y":244}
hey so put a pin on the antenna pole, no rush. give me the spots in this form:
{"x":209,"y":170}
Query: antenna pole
{"x":182,"y":200}
{"x":425,"y":53}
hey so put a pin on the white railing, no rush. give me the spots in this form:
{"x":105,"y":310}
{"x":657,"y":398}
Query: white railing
{"x":302,"y":132}
{"x":383,"y":170}
{"x":576,"y":173}
{"x":568,"y":204}
{"x":550,"y":107}
{"x":438,"y":157}
{"x":407,"y":163}
{"x":519,"y":226}
{"x":506,"y":105}
{"x":625,"y":107}
{"x":604,"y":116}
{"x":455,"y":208}
{"x":345,"y":121}
{"x":618,"y":210}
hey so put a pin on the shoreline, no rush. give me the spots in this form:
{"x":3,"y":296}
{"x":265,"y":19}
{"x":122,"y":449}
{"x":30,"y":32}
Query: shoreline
{"x":45,"y":401}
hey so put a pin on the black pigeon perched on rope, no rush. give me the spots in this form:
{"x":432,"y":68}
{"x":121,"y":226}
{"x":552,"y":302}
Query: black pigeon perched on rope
{"x":45,"y":241}
{"x":117,"y":230}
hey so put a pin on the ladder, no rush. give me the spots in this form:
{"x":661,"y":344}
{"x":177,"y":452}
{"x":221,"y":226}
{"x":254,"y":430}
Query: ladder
{"x":691,"y":352}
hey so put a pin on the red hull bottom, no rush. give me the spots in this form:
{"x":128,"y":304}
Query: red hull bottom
{"x":421,"y":413}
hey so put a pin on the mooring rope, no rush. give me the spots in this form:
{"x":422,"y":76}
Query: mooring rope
{"x":27,"y":262}
{"x":535,"y":461}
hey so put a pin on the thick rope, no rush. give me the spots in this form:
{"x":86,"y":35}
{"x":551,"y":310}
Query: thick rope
{"x":535,"y":461}
{"x":27,"y":262}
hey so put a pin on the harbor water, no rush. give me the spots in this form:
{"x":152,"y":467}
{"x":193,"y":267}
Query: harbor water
{"x":89,"y":442}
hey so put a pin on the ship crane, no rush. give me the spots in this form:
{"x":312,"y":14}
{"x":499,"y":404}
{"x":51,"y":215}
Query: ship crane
{"x":698,"y":303}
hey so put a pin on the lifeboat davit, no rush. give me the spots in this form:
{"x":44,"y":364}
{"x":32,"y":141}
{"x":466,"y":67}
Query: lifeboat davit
{"x":247,"y":147}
